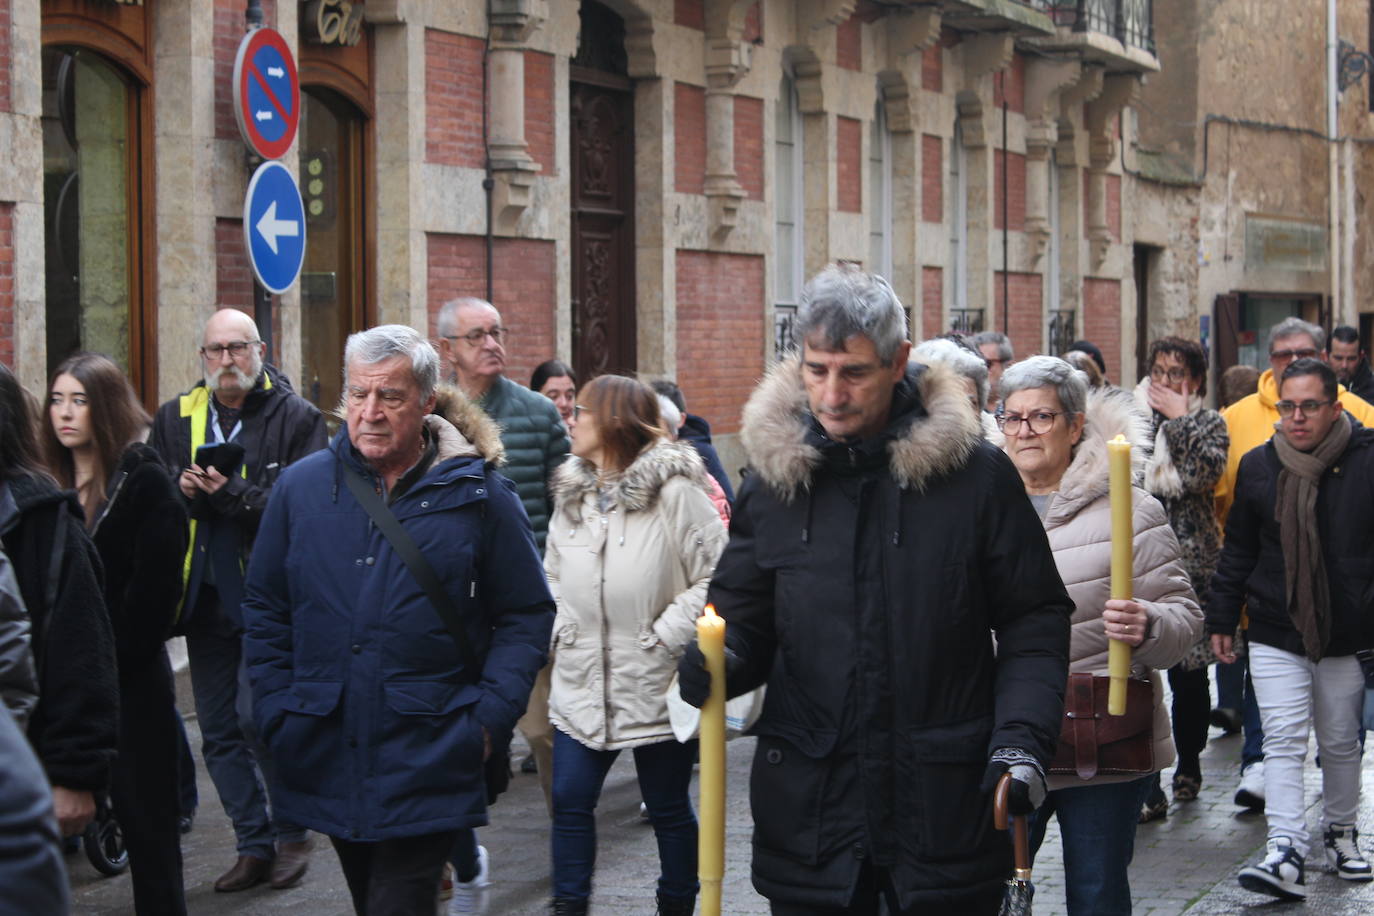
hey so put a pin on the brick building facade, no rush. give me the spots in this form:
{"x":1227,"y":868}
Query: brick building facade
{"x":638,"y":186}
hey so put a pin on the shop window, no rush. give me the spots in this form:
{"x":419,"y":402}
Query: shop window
{"x":333,"y":279}
{"x":92,"y":160}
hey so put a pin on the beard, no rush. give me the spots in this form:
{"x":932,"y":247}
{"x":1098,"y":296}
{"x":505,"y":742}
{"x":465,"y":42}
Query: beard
{"x":243,"y":381}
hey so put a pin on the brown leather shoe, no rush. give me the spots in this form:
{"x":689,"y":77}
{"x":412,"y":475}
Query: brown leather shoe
{"x":292,"y":861}
{"x":248,"y":871}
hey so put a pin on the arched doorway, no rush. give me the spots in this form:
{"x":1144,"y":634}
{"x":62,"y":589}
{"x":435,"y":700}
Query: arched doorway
{"x":601,"y":103}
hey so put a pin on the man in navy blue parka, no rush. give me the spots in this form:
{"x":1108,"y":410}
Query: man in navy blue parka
{"x":378,"y":729}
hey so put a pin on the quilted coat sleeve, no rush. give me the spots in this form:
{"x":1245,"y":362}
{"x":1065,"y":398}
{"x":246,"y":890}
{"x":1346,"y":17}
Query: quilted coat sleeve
{"x":693,"y":523}
{"x":1162,"y":586}
{"x":18,"y":681}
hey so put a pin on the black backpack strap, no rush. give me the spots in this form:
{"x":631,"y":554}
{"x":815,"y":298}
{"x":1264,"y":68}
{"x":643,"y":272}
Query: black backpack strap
{"x":419,"y":567}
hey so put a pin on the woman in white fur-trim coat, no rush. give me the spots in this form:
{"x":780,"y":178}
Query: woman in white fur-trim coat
{"x":1189,"y":457}
{"x":1056,"y":435}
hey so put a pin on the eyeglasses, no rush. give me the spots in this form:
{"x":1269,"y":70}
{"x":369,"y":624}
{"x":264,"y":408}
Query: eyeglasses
{"x":1039,"y":422}
{"x":1304,"y":353}
{"x":996,"y":362}
{"x":579,"y":410}
{"x":1288,"y":408}
{"x":236,"y":349}
{"x":1176,"y":374}
{"x":475,"y":338}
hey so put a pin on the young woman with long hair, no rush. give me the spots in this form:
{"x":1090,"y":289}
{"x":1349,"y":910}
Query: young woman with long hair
{"x":94,"y":445}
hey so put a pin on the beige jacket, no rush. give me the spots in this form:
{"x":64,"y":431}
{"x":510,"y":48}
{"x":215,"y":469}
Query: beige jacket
{"x":1078,"y":525}
{"x":630,"y":583}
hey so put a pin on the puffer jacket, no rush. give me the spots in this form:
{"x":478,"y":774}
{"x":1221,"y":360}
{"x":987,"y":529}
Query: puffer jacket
{"x":1250,"y":422}
{"x":536,"y":442}
{"x":630,"y":582}
{"x":1078,"y":523}
{"x":18,"y":681}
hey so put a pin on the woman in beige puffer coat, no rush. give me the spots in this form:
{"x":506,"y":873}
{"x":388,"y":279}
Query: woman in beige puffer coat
{"x":1056,"y":434}
{"x":632,"y":545}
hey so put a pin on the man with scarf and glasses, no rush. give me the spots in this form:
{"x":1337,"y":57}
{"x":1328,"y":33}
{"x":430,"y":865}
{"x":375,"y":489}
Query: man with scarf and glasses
{"x":1297,"y":557}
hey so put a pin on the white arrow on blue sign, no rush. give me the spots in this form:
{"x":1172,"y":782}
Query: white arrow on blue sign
{"x":274,"y":226}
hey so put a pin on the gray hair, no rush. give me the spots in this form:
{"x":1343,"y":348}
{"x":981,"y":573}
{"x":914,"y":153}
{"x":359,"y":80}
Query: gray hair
{"x":386,"y":341}
{"x":965,"y":363}
{"x":1047,"y":372}
{"x":842,"y":301}
{"x":668,"y":412}
{"x":997,"y":339}
{"x":447,"y":322}
{"x":1291,"y":327}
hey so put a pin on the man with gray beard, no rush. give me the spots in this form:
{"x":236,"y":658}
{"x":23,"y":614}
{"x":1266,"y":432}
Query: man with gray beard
{"x":247,"y":412}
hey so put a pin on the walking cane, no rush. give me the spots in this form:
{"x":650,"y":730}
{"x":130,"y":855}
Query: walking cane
{"x":1016,"y":901}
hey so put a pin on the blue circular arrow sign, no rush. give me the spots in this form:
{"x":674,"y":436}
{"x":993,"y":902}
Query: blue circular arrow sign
{"x":274,"y":226}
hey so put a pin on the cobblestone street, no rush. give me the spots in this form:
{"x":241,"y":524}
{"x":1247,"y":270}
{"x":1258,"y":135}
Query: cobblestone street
{"x":1186,"y":863}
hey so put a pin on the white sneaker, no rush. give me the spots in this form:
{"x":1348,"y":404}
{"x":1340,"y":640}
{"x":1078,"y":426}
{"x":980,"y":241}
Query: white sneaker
{"x":1250,"y":793}
{"x":1343,"y":854}
{"x":471,"y":896}
{"x":1279,"y":875}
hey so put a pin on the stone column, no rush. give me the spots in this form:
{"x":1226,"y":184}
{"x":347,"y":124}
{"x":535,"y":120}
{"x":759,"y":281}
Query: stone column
{"x":1099,"y":117}
{"x":21,"y":180}
{"x":1044,"y":80}
{"x":1071,"y":158}
{"x":984,"y":54}
{"x":512,"y":23}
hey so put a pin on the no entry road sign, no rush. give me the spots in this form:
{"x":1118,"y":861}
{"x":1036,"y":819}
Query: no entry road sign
{"x":267,"y":94}
{"x":274,"y":226}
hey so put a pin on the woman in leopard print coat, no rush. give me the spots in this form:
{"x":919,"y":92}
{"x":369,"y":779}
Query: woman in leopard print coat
{"x":1189,"y":457}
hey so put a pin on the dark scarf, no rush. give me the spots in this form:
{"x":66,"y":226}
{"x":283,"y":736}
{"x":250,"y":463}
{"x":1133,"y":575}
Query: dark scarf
{"x":1295,"y":509}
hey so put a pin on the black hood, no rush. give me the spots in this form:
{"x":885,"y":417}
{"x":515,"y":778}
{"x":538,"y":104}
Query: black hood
{"x":20,"y":494}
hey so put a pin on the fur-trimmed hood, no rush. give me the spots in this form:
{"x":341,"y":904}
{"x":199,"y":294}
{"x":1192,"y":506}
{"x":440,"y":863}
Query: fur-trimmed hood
{"x":784,"y":449}
{"x":1161,"y":477}
{"x":1110,"y":412}
{"x":637,"y":487}
{"x":468,"y":430}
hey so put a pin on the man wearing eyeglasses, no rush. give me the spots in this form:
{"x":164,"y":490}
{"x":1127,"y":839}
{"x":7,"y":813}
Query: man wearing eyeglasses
{"x":473,"y":342}
{"x":257,"y":425}
{"x":1297,"y":560}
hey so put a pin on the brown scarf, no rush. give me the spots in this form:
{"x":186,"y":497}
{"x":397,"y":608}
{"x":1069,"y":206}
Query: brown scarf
{"x":1295,"y":509}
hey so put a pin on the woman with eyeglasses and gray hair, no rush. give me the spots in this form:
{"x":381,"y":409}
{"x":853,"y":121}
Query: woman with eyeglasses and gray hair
{"x":1056,"y":434}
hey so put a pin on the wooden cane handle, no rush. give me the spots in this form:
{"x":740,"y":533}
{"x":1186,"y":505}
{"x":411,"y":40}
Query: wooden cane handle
{"x":999,"y":801}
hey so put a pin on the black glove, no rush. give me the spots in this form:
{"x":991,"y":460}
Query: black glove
{"x":694,"y":681}
{"x":1027,"y":789}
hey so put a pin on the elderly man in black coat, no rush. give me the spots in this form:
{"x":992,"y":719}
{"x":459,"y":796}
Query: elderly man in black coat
{"x":876,"y":550}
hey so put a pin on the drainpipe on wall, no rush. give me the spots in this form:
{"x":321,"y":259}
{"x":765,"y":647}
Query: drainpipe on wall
{"x":1332,"y":180}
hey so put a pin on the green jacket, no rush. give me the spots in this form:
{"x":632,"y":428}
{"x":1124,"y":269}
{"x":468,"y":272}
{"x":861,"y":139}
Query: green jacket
{"x":536,"y":443}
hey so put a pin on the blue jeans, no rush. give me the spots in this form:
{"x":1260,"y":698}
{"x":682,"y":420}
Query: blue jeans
{"x":229,"y":742}
{"x":1097,"y":830}
{"x":665,"y":773}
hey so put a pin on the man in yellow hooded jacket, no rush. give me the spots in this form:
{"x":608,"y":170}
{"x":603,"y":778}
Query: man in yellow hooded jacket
{"x":1250,"y":421}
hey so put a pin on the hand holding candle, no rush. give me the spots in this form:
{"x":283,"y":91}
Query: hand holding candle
{"x":1123,"y":532}
{"x":711,"y":810}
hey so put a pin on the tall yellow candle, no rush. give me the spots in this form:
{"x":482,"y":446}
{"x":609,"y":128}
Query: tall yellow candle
{"x":1123,"y":530}
{"x":711,"y":810}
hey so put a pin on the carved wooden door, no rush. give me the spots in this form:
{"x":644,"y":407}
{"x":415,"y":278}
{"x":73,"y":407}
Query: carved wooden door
{"x":603,"y":287}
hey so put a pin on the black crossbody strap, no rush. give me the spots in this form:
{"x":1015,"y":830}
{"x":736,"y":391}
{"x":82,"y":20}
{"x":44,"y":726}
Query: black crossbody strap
{"x":419,"y":567}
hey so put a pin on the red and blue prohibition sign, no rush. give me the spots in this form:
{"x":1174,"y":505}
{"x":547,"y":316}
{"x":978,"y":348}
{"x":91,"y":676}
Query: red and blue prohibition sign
{"x":267,"y":94}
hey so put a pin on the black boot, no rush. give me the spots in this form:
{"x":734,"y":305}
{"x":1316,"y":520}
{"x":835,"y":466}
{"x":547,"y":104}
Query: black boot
{"x":676,"y":906}
{"x":566,"y":906}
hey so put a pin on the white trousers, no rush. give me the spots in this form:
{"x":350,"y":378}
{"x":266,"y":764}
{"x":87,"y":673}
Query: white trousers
{"x":1295,"y":697}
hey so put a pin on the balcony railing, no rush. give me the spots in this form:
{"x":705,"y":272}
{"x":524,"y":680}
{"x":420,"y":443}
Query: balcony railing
{"x":1130,"y":22}
{"x":1063,"y":330}
{"x":966,"y":321}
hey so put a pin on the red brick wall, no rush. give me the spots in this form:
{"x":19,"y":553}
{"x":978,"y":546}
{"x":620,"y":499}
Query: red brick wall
{"x":6,"y":104}
{"x":753,"y":23}
{"x":849,"y":44}
{"x":7,"y":280}
{"x":689,"y":148}
{"x":1114,"y":206}
{"x":539,"y":114}
{"x":1102,"y":322}
{"x":849,"y":150}
{"x":932,"y":179}
{"x":933,"y":68}
{"x":1011,"y":83}
{"x":233,"y":273}
{"x":691,"y":13}
{"x":524,"y":291}
{"x":749,"y":145}
{"x":932,"y":301}
{"x":720,"y":329}
{"x":453,"y":99}
{"x":229,"y":31}
{"x":1016,"y":190}
{"x":1024,"y":317}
